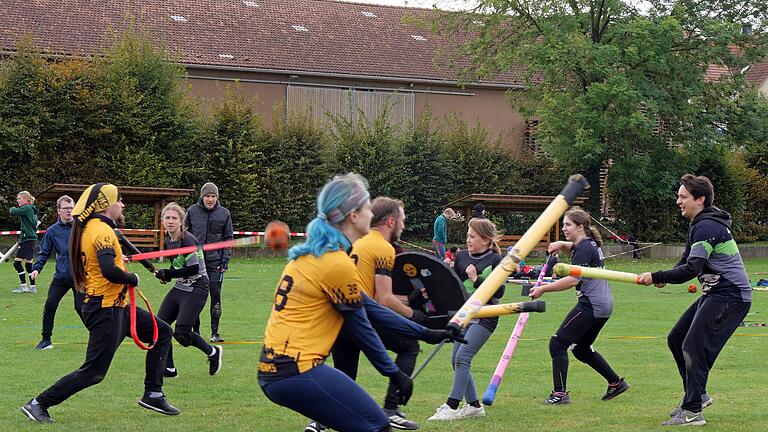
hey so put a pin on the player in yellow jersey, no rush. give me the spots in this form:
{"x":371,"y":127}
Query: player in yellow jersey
{"x":319,"y":291}
{"x":98,"y":270}
{"x":374,"y":256}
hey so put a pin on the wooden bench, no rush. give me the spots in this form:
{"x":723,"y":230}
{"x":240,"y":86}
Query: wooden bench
{"x":143,"y":238}
{"x":509,"y":240}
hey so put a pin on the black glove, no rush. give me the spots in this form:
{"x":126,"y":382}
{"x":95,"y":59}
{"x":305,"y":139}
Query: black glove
{"x":419,"y":317}
{"x":437,"y":336}
{"x":163,"y":275}
{"x":454,"y":334}
{"x":404,"y":386}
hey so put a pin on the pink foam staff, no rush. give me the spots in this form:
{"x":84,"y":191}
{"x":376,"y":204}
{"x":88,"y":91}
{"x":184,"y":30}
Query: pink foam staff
{"x":509,"y":350}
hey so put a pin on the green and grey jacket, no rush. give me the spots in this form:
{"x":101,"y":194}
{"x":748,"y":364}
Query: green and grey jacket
{"x":711,"y":254}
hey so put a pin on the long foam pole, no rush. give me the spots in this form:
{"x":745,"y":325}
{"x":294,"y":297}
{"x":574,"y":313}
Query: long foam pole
{"x":509,"y":350}
{"x":244,"y":241}
{"x":511,"y":308}
{"x":10,"y":252}
{"x":576,"y":184}
{"x":595,"y":273}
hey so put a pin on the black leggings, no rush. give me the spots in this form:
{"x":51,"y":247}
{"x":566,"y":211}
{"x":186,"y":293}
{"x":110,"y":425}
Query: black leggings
{"x":183,"y":308}
{"x":107,"y":327}
{"x":580,"y":329}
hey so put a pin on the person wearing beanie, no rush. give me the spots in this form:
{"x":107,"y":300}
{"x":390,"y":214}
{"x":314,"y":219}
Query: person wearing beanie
{"x":99,"y":272}
{"x":210,"y":222}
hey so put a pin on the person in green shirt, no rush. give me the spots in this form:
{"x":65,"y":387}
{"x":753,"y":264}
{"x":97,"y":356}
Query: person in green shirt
{"x":27,"y":212}
{"x":441,"y":232}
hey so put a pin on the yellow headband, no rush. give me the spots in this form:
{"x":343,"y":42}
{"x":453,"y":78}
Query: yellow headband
{"x":96,"y":198}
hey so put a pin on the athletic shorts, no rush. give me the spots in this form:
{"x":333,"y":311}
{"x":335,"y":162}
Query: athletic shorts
{"x":26,"y":250}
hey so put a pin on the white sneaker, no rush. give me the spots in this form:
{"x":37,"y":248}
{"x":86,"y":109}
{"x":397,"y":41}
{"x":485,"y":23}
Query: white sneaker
{"x":32,"y":290}
{"x":444,"y":412}
{"x":21,"y":289}
{"x":468,"y":411}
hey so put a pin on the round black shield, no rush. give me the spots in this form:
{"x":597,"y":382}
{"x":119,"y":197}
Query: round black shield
{"x":430,"y":285}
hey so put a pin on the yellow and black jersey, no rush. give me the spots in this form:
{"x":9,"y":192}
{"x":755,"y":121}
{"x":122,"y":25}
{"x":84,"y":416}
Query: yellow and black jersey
{"x":99,"y":236}
{"x":373,"y":255}
{"x":305,"y":318}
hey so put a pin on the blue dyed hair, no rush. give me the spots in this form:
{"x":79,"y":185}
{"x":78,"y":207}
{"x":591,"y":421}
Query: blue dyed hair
{"x":334,"y":203}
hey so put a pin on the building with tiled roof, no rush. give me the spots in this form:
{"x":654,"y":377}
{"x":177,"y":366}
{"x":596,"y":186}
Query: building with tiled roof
{"x":330,"y":56}
{"x":757,"y":75}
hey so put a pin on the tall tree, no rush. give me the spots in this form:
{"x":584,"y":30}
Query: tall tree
{"x":608,"y":82}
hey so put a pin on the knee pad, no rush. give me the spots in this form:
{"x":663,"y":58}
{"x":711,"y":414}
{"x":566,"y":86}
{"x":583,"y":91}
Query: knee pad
{"x":216,"y":311}
{"x":558,"y":347}
{"x":183,"y":335}
{"x":17,"y":265}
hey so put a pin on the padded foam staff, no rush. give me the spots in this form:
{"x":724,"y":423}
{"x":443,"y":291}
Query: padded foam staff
{"x":511,"y":308}
{"x":226,"y":244}
{"x":595,"y":273}
{"x":576,"y":184}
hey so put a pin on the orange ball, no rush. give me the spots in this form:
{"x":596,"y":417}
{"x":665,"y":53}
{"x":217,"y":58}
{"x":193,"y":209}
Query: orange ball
{"x":692,"y":288}
{"x":277,"y":235}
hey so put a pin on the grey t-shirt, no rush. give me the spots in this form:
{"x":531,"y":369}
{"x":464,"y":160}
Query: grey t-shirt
{"x":189,"y":283}
{"x":593,"y":294}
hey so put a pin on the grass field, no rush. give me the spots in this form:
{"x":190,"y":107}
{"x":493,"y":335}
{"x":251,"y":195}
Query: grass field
{"x":633,"y":342}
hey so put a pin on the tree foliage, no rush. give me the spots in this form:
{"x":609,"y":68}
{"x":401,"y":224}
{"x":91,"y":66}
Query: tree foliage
{"x":611,"y":83}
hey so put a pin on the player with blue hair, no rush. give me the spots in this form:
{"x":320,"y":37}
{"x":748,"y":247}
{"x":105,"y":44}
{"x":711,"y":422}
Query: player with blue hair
{"x":319,"y":291}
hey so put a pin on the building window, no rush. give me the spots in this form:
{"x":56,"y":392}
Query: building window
{"x":529,"y":136}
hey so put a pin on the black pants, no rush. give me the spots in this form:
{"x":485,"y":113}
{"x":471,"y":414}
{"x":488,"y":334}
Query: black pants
{"x":107,"y":327}
{"x":184,"y":308}
{"x":215,"y":278}
{"x":698,"y":337}
{"x":56,"y":292}
{"x":580,"y":328}
{"x":346,"y":355}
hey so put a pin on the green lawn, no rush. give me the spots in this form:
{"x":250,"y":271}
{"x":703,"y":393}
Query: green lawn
{"x":633,"y":342}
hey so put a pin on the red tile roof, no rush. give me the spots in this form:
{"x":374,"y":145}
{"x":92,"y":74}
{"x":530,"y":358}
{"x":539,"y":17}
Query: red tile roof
{"x":263,"y":35}
{"x":714,"y":72}
{"x":757,"y":74}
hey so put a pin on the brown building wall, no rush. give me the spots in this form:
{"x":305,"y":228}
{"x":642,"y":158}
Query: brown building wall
{"x":487,"y":107}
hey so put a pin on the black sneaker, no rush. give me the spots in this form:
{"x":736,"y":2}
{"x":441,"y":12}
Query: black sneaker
{"x":159,"y":404}
{"x":616,"y":389}
{"x":36,"y":412}
{"x":215,"y":338}
{"x":558,"y":398}
{"x":214,"y":361}
{"x":44,"y":344}
{"x":171,"y":373}
{"x":314,"y":426}
{"x":398,"y":421}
